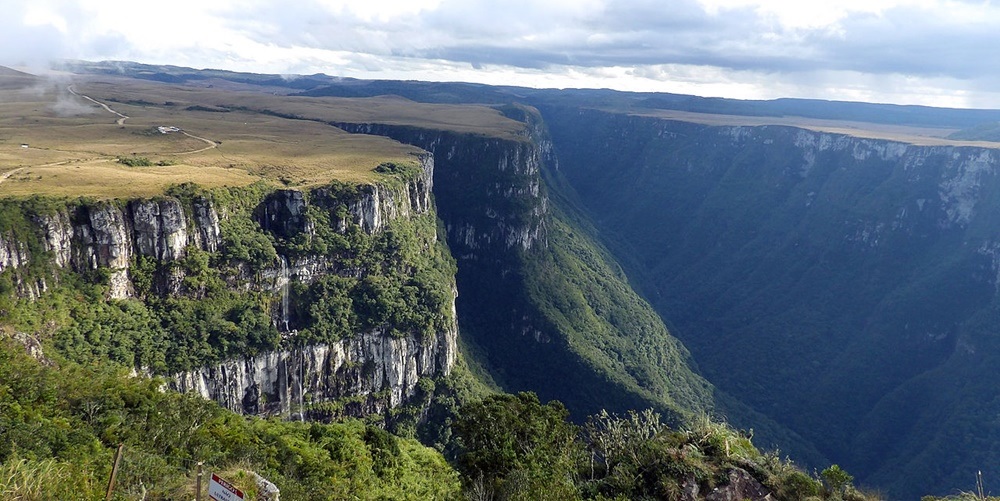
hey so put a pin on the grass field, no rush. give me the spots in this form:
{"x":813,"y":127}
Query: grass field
{"x":54,"y":142}
{"x":385,"y":110}
{"x":907,"y":134}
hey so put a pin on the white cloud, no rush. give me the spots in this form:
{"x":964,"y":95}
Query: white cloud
{"x":792,"y":14}
{"x":906,"y":51}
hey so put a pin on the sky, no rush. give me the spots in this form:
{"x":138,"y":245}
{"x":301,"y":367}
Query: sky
{"x":929,"y":52}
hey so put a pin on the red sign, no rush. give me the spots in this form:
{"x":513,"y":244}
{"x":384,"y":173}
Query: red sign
{"x":220,"y":490}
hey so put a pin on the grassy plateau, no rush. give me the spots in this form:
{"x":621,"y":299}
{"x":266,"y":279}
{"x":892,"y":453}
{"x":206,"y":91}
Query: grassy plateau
{"x":69,"y":136}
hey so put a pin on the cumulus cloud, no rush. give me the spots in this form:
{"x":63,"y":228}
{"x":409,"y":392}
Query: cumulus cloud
{"x":27,"y":42}
{"x":920,"y":51}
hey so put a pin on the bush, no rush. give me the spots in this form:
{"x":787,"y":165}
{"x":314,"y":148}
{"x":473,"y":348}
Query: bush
{"x":516,"y":447}
{"x":135,"y":161}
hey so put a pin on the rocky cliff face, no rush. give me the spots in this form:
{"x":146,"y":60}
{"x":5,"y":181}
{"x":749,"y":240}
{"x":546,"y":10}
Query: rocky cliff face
{"x":810,"y":271}
{"x":371,"y":369}
{"x":108,"y":235}
{"x":367,"y":371}
{"x":546,"y":316}
{"x":489,"y":190}
{"x":491,"y":197}
{"x":363,"y":375}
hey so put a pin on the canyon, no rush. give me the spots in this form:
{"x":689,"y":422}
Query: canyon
{"x":833,"y":293}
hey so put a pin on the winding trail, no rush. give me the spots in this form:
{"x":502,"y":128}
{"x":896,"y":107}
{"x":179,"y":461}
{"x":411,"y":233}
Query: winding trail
{"x":211,"y":144}
{"x":121,"y":121}
{"x":121,"y":117}
{"x":5,"y":175}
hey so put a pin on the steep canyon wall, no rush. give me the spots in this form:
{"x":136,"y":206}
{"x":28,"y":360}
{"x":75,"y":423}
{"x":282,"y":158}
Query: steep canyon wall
{"x":843,"y":286}
{"x":543,"y":306}
{"x":145,"y":252}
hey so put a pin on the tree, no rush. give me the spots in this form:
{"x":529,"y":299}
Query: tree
{"x":516,"y":447}
{"x":836,"y":479}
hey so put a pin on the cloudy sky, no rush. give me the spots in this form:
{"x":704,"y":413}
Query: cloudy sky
{"x":935,"y":52}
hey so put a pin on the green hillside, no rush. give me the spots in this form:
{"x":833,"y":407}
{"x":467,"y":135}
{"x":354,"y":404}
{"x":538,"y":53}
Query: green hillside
{"x":831,"y":283}
{"x":61,"y":423}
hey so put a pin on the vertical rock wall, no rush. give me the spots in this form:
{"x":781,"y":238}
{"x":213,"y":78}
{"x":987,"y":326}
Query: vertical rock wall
{"x":372,"y":369}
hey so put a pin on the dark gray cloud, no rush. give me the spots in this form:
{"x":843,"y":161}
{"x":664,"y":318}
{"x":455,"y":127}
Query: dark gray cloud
{"x":912,"y":42}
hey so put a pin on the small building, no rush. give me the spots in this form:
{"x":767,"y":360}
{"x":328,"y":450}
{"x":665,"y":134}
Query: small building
{"x":24,"y":145}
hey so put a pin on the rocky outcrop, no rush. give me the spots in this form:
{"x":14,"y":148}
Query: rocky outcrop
{"x":13,"y":254}
{"x":103,"y":241}
{"x":283,"y":213}
{"x":740,"y":486}
{"x":363,"y":374}
{"x":108,"y":235}
{"x":159,"y":228}
{"x":373,"y":370}
{"x":489,"y":190}
{"x":58,"y":237}
{"x":206,"y":222}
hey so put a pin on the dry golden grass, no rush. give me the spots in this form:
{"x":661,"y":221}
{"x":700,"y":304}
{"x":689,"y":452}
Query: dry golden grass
{"x":393,"y":110}
{"x":921,"y":136}
{"x":73,"y":143}
{"x":110,"y":179}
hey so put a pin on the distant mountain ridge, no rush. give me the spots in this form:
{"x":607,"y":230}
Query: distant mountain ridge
{"x":458,"y":92}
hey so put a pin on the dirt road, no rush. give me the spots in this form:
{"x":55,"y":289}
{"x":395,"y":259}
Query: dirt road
{"x":122,"y":117}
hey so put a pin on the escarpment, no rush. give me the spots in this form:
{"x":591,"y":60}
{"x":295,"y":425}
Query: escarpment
{"x":491,"y":198}
{"x":363,"y":375}
{"x":82,"y":237}
{"x":334,"y":300}
{"x":540,"y":300}
{"x":808,"y":271}
{"x":488,"y":189}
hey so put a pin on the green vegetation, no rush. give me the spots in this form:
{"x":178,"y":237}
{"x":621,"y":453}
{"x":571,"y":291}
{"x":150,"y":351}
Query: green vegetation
{"x":397,"y":280}
{"x":582,"y":294}
{"x":542,"y":305}
{"x":394,"y":168}
{"x":517,"y":448}
{"x":763,"y":265}
{"x":60,"y":423}
{"x":825,"y":281}
{"x":134,"y":161}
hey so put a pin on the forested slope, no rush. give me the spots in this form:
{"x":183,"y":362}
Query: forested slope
{"x":841,"y":286}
